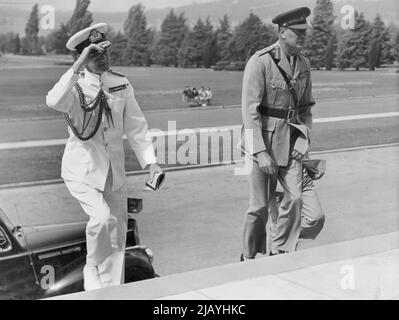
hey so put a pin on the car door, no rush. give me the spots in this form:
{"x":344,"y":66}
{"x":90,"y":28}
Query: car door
{"x":60,"y":268}
{"x":58,"y":254}
{"x":17,"y":277}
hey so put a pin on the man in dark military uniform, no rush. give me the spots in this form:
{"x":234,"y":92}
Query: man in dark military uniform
{"x":276,"y":110}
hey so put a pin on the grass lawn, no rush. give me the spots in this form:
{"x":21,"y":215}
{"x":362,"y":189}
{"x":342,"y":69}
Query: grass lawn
{"x":24,"y":83}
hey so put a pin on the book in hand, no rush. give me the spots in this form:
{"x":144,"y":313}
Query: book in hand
{"x":156,"y":180}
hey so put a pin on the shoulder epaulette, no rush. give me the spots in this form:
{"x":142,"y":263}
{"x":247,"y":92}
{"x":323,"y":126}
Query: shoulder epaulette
{"x":266,"y":50}
{"x":117,"y":73}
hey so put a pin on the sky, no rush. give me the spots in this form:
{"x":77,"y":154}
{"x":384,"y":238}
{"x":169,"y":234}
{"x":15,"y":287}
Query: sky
{"x":100,"y":5}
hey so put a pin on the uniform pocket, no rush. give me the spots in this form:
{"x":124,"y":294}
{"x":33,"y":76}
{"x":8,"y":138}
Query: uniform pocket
{"x":268,"y":128}
{"x":276,"y":92}
{"x":117,"y":105}
{"x":77,"y":159}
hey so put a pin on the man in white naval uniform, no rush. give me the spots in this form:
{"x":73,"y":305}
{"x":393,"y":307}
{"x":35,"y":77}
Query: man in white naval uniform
{"x":100,"y":107}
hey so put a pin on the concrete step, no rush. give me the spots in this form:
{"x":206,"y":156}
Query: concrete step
{"x":365,"y":268}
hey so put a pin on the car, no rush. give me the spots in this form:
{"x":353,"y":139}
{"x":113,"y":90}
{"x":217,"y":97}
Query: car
{"x":46,"y":260}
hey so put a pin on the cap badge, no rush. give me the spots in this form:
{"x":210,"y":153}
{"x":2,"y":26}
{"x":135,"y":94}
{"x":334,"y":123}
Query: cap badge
{"x":95,"y":35}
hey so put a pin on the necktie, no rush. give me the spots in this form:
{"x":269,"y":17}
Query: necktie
{"x":292,"y":63}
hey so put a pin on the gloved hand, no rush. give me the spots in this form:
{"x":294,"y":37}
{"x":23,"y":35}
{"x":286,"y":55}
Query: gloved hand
{"x":297,"y":155}
{"x":157,"y":177}
{"x":266,"y":163}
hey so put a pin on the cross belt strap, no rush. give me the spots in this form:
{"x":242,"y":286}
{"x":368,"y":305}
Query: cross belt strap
{"x":289,"y":113}
{"x":291,"y":89}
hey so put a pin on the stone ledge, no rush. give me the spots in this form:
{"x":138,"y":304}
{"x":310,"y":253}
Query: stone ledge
{"x":174,"y":285}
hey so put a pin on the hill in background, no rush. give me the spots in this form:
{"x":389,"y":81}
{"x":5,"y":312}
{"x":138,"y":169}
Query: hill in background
{"x":14,"y":19}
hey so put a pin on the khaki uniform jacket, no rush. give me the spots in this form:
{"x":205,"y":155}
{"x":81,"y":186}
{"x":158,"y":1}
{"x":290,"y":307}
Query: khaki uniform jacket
{"x":89,"y":161}
{"x":264,"y":85}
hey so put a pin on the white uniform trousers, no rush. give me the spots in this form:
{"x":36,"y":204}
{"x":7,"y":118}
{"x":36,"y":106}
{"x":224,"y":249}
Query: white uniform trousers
{"x":105,"y":232}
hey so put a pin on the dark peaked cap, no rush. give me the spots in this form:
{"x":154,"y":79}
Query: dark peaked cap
{"x":295,"y":19}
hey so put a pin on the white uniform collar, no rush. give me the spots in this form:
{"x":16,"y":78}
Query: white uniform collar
{"x":94,"y":77}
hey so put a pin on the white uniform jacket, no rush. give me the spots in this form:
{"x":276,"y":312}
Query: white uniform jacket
{"x":89,"y":161}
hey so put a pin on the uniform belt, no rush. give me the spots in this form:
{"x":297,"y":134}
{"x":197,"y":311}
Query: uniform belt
{"x":287,"y":114}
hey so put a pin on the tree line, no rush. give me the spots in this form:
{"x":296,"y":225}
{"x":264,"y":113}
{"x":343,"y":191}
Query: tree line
{"x":220,"y":46}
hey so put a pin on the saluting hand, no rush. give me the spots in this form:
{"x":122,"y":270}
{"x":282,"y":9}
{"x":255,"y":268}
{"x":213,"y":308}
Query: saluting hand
{"x":266,"y":163}
{"x":90,"y":50}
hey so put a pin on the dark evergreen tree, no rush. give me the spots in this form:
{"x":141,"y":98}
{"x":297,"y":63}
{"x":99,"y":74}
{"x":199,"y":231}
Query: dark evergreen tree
{"x":8,"y":42}
{"x":138,"y":37}
{"x":172,"y":35}
{"x":119,"y":42}
{"x":394,"y":42}
{"x":374,"y":54}
{"x":199,"y":46}
{"x":344,"y":55}
{"x":58,"y":38}
{"x":224,"y":34}
{"x":380,"y":44}
{"x":186,"y":55}
{"x":250,"y":36}
{"x":152,"y":34}
{"x":396,"y":47}
{"x":321,"y":34}
{"x":353,"y":46}
{"x":331,"y":51}
{"x":17,"y":45}
{"x":194,"y":46}
{"x":209,"y":50}
{"x":32,"y":31}
{"x":361,"y":41}
{"x":81,"y":18}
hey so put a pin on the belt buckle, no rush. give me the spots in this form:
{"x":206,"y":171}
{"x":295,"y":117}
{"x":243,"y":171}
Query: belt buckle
{"x":291,"y":114}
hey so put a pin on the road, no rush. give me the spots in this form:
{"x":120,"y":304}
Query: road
{"x":195,"y":221}
{"x":41,"y":162}
{"x":196,"y":118}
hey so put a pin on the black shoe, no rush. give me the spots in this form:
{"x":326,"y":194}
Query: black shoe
{"x":277,"y":253}
{"x":243,"y":259}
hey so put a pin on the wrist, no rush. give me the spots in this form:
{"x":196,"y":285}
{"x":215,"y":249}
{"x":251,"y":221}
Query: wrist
{"x":148,"y":166}
{"x":79,"y":64}
{"x":76,"y":69}
{"x":260,"y":153}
